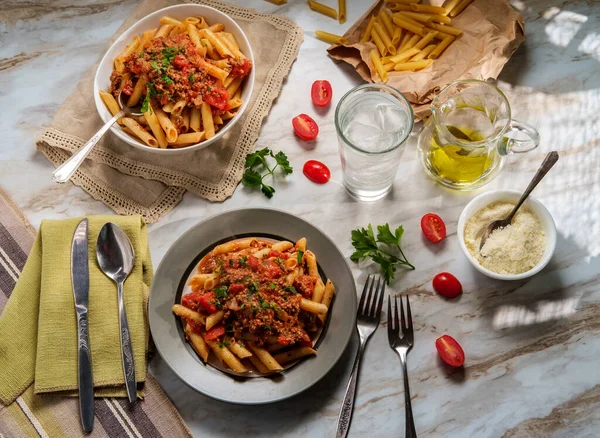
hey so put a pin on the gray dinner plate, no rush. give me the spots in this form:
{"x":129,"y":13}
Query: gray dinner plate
{"x":182,"y":257}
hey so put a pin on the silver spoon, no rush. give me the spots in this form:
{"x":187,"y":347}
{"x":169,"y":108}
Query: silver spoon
{"x":549,"y":161}
{"x":66,"y":170}
{"x":115,"y":257}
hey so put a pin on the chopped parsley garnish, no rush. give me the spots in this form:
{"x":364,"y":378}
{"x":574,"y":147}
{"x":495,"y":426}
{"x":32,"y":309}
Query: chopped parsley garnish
{"x":221,"y":292}
{"x":291,"y":289}
{"x":300,"y":256}
{"x":152,"y":89}
{"x":191,"y":78}
{"x":225,"y":343}
{"x":279,"y":261}
{"x":272,"y":286}
{"x":167,"y":79}
{"x":231,"y":263}
{"x":243,"y":261}
{"x":256,"y":160}
{"x":146,"y":104}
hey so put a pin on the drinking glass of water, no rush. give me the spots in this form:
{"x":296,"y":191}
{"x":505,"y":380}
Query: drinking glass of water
{"x":373,"y":122}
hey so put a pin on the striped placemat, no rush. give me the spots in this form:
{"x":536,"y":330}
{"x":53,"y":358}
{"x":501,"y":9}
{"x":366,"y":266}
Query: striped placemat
{"x":51,"y":416}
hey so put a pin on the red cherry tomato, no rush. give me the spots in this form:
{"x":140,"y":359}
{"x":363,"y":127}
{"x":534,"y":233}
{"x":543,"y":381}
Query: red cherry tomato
{"x":180,"y":62}
{"x":241,"y":69}
{"x":208,"y":302}
{"x":433,"y":227}
{"x":321,"y":93}
{"x":447,"y":285}
{"x":316,"y":171}
{"x":305,"y":127}
{"x":218,"y":98}
{"x":450,"y":351}
{"x":214,"y":333}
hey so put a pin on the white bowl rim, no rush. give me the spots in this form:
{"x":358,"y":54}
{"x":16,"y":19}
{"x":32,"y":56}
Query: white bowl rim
{"x":551,"y":233}
{"x":115,"y":129}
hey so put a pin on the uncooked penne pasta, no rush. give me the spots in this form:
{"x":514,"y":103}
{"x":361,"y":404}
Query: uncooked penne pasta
{"x":323,"y":9}
{"x":441,"y":47}
{"x":381,"y":47}
{"x":460,"y":7}
{"x":449,"y":5}
{"x":403,"y":23}
{"x":425,"y":40}
{"x":445,"y":29}
{"x":378,"y":66}
{"x":416,"y":65}
{"x":387,"y":40}
{"x":418,"y":18}
{"x":397,"y":35}
{"x":330,"y":37}
{"x":386,"y":20}
{"x":367,"y":33}
{"x":423,"y":53}
{"x":427,"y":8}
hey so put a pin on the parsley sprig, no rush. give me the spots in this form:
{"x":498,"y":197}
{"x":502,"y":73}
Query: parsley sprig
{"x":258,"y":160}
{"x":384,"y":249}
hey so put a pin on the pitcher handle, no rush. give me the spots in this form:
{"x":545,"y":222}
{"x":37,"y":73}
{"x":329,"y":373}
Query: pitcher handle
{"x":513,"y":145}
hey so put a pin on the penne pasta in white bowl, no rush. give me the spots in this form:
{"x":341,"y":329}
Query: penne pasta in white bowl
{"x":190,"y":67}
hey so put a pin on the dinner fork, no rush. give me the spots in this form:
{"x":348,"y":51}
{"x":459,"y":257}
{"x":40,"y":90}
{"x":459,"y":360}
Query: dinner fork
{"x":367,"y":320}
{"x":400,"y":337}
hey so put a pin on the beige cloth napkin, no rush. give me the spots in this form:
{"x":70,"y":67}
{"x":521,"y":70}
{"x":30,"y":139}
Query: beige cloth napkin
{"x":132,"y":181}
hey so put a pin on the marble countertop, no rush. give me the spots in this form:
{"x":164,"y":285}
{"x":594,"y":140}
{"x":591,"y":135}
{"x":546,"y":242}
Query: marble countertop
{"x":529,"y":379}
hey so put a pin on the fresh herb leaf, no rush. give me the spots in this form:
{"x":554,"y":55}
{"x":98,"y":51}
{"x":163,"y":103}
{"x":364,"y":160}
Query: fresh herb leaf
{"x":146,"y":104}
{"x":253,"y":287}
{"x":279,"y":261}
{"x":257,"y":159}
{"x":221,"y":292}
{"x":272,"y":286}
{"x":300,"y":256}
{"x":191,"y":78}
{"x":243,"y":261}
{"x":231,"y":263}
{"x":384,"y":249}
{"x":167,"y":79}
{"x":291,"y":289}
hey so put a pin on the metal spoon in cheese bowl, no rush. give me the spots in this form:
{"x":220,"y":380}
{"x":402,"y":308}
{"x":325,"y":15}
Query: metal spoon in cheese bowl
{"x":550,"y":160}
{"x":116,"y":258}
{"x":66,"y":170}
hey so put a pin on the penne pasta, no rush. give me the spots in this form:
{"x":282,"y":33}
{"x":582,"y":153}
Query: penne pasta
{"x":386,"y":20}
{"x":396,"y":36}
{"x":317,"y":295}
{"x":186,"y":121}
{"x":138,"y":90}
{"x":327,"y":298}
{"x":282,"y":245}
{"x":189,"y":314}
{"x":110,"y":102}
{"x":207,"y":121}
{"x":260,"y":367}
{"x":322,"y":9}
{"x":445,"y":29}
{"x":139,"y":131}
{"x":295,"y":354}
{"x":311,"y":263}
{"x":195,"y":37}
{"x":367,"y":33}
{"x":376,"y":60}
{"x":425,"y":40}
{"x":441,"y":47}
{"x":155,"y":127}
{"x":385,"y":38}
{"x":235,"y":103}
{"x":214,"y":319}
{"x":170,"y":21}
{"x":194,"y":120}
{"x":427,"y":8}
{"x":120,"y":60}
{"x":188,"y":139}
{"x":163,"y":30}
{"x":178,"y":107}
{"x":301,"y":245}
{"x":216,"y":27}
{"x":460,"y":7}
{"x":451,"y":4}
{"x":406,"y":2}
{"x":227,"y":357}
{"x":342,"y":11}
{"x":403,"y":23}
{"x":265,"y":357}
{"x":312,"y":307}
{"x":216,"y":43}
{"x":330,"y":37}
{"x":238,"y":349}
{"x":381,"y":47}
{"x":198,"y":343}
{"x":202,"y":24}
{"x":213,"y":70}
{"x":397,"y":7}
{"x":424,"y":53}
{"x":416,"y":65}
{"x":233,"y":246}
{"x":415,"y":17}
{"x":233,"y":48}
{"x":166,"y":124}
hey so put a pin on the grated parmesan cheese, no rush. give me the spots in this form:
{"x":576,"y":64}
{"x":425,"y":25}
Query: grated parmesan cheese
{"x":514,"y":249}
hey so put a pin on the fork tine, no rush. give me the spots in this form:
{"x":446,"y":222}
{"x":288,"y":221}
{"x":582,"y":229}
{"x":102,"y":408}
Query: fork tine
{"x":363,"y":295}
{"x":373,"y":304}
{"x":408,"y":314}
{"x":365,"y":310}
{"x":402,"y":320}
{"x":389,"y":318}
{"x":378,"y":313}
{"x":396,"y":319}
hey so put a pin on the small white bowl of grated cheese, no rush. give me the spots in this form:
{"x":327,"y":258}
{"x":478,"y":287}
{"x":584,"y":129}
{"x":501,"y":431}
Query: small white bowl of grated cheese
{"x":517,"y":251}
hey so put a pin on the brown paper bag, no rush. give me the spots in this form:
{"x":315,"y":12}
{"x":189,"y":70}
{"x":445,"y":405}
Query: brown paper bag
{"x":492,"y":31}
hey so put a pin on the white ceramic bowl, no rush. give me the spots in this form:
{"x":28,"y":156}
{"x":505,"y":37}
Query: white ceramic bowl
{"x":511,"y":196}
{"x":102,"y":78}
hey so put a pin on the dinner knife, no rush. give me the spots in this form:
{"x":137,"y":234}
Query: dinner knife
{"x":80,"y":280}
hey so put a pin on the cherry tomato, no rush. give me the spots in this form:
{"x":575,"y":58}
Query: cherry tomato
{"x":283,"y":340}
{"x":271,"y":269}
{"x":235,"y":288}
{"x":128,"y":87}
{"x":278,"y":254}
{"x":207,"y":302}
{"x":180,"y":62}
{"x":214,"y":333}
{"x":305,"y":284}
{"x":433,"y":227}
{"x":450,"y":351}
{"x":321,"y":93}
{"x":253,"y":263}
{"x":192,"y":300}
{"x":447,"y":285}
{"x":242,"y":69}
{"x":305,"y":127}
{"x":218,"y":98}
{"x":316,"y":171}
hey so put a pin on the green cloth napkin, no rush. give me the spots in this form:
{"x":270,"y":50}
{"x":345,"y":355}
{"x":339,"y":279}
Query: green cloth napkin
{"x":38,"y":329}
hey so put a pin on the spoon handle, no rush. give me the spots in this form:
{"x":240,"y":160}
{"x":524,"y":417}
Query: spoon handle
{"x":549,"y":161}
{"x":126,"y":348}
{"x":66,"y":170}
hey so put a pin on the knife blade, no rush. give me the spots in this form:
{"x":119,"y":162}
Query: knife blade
{"x":80,"y":280}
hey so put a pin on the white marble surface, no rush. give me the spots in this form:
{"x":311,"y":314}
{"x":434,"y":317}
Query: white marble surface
{"x":535,"y":380}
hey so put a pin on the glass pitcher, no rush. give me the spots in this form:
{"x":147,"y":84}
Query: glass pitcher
{"x":463,"y":143}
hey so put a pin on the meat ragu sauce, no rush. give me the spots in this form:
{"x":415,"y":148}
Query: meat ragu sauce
{"x":260,"y":304}
{"x":175,"y":72}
